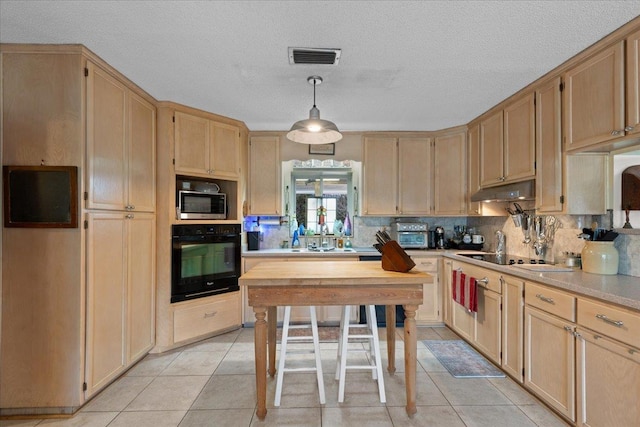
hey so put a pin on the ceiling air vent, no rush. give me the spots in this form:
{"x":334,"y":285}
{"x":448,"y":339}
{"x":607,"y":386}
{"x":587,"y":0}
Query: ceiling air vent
{"x":308,"y":55}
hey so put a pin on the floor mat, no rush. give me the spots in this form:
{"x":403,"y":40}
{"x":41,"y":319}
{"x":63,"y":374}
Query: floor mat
{"x":461,"y":360}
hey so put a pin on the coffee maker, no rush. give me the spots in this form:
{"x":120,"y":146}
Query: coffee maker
{"x":436,"y":238}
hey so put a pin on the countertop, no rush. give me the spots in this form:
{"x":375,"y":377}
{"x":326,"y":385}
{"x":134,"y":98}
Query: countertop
{"x":619,"y":289}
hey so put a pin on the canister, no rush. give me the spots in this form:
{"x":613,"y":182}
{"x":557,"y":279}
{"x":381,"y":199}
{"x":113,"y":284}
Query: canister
{"x":600,"y":257}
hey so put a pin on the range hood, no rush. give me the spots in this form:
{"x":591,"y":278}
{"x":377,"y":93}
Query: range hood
{"x":524,"y":190}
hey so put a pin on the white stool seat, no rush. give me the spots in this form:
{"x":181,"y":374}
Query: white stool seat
{"x":375,"y":360}
{"x":283,"y":352}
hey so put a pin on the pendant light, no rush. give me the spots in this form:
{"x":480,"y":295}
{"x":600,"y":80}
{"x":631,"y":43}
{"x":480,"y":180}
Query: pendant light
{"x":314,"y":130}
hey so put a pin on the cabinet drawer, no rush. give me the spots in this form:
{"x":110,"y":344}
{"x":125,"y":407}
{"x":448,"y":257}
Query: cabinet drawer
{"x":552,"y":301}
{"x":426,"y":264}
{"x":613,"y":322}
{"x":492,"y":277}
{"x":192,"y":321}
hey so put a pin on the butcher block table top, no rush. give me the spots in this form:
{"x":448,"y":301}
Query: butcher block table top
{"x":271,"y":284}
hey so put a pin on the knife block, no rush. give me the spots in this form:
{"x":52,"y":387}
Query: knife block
{"x":394,"y":258}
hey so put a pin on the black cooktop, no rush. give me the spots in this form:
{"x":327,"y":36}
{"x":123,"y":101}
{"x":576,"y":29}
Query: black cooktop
{"x":504,"y":259}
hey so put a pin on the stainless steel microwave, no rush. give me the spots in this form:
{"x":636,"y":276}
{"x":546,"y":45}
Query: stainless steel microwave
{"x":201,"y":205}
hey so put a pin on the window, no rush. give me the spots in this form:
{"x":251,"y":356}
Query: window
{"x":320,"y":189}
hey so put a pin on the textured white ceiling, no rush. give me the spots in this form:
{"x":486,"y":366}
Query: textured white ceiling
{"x":406,"y":65}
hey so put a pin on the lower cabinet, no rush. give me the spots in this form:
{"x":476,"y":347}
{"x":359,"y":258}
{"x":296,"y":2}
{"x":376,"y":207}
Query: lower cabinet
{"x":607,"y":365}
{"x":120,"y":294}
{"x":549,"y":347}
{"x":513,"y":326}
{"x":430,"y":312}
{"x":217,"y":314}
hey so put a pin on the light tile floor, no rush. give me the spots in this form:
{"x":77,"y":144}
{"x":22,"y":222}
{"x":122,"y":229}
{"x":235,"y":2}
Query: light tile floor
{"x":212,"y":383}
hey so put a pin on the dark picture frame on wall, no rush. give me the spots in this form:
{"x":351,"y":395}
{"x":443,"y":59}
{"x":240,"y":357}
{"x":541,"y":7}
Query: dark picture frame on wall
{"x":40,"y":196}
{"x":323,"y":149}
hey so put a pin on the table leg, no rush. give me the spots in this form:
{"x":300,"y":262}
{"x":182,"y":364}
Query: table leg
{"x":390,"y":318}
{"x":272,"y":317}
{"x":410,"y":356}
{"x":260,"y":343}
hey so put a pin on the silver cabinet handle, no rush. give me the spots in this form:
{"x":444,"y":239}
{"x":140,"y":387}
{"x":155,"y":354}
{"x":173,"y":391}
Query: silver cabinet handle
{"x":129,"y":216}
{"x":604,"y":318}
{"x":213,"y":313}
{"x":568,"y":328}
{"x":545,"y":299}
{"x":616,"y":132}
{"x":629,"y":128}
{"x":483,"y":282}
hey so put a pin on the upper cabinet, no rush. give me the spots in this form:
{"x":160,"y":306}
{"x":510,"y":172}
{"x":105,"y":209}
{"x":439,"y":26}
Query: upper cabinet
{"x":397,"y":176}
{"x":450,"y":165}
{"x":264,"y":176}
{"x":473,"y":169}
{"x":507,"y":143}
{"x":633,"y":83}
{"x":594,"y":99}
{"x":549,"y":147}
{"x":120,"y":145}
{"x":206,"y":147}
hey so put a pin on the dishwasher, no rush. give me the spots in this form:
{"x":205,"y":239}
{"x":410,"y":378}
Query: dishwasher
{"x":380,"y":309}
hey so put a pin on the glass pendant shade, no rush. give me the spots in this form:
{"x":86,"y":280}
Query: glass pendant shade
{"x":314,"y":130}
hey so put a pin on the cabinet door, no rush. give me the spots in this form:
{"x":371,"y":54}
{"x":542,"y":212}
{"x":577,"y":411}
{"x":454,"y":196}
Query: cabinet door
{"x":447,"y":295}
{"x":106,"y":140}
{"x":264,"y":176}
{"x":106,"y":303}
{"x":450,"y":176}
{"x":512,"y":326}
{"x":191,"y":144}
{"x":141,"y":141}
{"x":430,"y":310}
{"x":491,"y":143}
{"x":415,"y":176}
{"x":519,"y":140}
{"x":488,"y":324}
{"x":549,"y":147}
{"x":594,"y":99}
{"x":463,"y":321}
{"x":550,"y":360}
{"x":473,"y":169}
{"x":633,"y":83}
{"x":225,"y":150}
{"x":140,"y":285}
{"x":608,"y":381}
{"x":380,"y":176}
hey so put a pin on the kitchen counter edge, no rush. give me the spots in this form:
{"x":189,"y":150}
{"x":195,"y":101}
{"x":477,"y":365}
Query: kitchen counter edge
{"x":618,"y":289}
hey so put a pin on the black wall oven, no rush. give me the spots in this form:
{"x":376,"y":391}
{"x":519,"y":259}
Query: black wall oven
{"x":205,"y":260}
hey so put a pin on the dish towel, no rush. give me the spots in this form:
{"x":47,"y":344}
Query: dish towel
{"x":464,"y":291}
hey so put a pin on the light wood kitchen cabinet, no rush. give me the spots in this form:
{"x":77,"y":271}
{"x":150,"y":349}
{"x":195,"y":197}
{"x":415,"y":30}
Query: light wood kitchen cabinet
{"x":380,"y":176}
{"x":450,"y":177}
{"x":397,"y":176}
{"x":507,"y":143}
{"x":447,"y":295}
{"x":633,"y":83}
{"x":608,"y":364}
{"x":415,"y":176}
{"x":587,"y":183}
{"x":549,"y":160}
{"x":594,"y":99}
{"x":430,"y":312}
{"x":206,"y":316}
{"x":473,"y":169}
{"x":513,"y":326}
{"x":491,"y":150}
{"x":264,"y":176}
{"x":549,"y":348}
{"x":120,"y":294}
{"x":121,"y":144}
{"x":206,"y":147}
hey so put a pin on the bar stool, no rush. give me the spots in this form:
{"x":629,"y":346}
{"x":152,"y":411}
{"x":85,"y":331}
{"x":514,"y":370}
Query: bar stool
{"x":283,"y":352}
{"x":375,"y":360}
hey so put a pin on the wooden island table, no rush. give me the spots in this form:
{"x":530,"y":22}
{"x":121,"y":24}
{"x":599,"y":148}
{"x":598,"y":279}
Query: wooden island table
{"x":305,"y":283}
